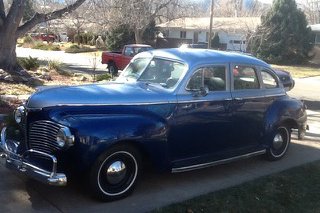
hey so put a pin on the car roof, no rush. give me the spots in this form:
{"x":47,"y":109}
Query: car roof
{"x":193,"y":57}
{"x":137,"y":45}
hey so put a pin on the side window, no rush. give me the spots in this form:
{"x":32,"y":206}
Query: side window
{"x":211,"y":77}
{"x":129,"y":51}
{"x":195,"y":82}
{"x":268,"y":80}
{"x":245,"y":77}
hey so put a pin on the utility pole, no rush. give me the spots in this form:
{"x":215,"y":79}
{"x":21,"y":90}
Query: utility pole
{"x":211,"y":20}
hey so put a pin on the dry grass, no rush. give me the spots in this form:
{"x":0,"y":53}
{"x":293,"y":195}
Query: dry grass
{"x":15,"y":89}
{"x":300,"y":71}
{"x":7,"y":88}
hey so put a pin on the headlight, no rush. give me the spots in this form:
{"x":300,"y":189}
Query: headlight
{"x":18,"y":113}
{"x":64,"y":137}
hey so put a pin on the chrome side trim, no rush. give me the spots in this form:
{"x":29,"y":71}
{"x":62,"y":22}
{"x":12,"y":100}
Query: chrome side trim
{"x":121,"y":104}
{"x":214,"y":163}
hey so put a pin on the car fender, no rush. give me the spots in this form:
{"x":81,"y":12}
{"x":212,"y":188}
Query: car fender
{"x":95,"y":133}
{"x":285,"y":110}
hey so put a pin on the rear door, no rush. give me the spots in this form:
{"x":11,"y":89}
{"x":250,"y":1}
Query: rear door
{"x":249,"y":106}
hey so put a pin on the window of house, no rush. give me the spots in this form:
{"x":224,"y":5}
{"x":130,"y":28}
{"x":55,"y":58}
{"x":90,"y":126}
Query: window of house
{"x":211,"y":77}
{"x":245,"y":77}
{"x":268,"y":80}
{"x":183,"y":34}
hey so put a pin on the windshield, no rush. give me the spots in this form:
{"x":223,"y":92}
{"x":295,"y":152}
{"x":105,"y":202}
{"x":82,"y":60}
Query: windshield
{"x":134,"y":69}
{"x":159,"y":71}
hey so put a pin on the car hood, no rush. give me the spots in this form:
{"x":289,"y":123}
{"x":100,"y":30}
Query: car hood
{"x":99,"y":94}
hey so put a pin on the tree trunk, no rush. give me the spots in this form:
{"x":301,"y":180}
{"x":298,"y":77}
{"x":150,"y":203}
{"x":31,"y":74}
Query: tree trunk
{"x":8,"y":57}
{"x":138,"y":36}
{"x":10,"y":29}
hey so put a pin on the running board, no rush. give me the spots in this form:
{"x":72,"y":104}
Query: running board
{"x":214,"y":163}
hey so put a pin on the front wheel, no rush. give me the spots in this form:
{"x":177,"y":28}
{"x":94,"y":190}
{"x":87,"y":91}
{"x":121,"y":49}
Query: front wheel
{"x":115,"y":173}
{"x":279,"y":143}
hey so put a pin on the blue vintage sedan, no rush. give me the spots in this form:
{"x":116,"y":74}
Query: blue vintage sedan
{"x":178,"y":109}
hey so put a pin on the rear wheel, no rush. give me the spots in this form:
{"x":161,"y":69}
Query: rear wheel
{"x":279,"y":143}
{"x":115,"y":173}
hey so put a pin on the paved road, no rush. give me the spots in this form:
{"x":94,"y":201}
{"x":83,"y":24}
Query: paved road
{"x":18,"y":194}
{"x":307,"y":89}
{"x":73,"y":62}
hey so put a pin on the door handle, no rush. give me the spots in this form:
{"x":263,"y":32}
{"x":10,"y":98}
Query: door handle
{"x":187,"y":106}
{"x":238,"y":99}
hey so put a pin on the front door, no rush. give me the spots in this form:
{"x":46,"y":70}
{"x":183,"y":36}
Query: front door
{"x":195,"y":37}
{"x":203,"y":118}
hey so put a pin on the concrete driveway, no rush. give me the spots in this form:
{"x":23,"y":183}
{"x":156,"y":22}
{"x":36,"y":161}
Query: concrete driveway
{"x":18,"y":194}
{"x":75,"y":63}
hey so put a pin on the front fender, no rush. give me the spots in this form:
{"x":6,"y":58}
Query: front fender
{"x":95,"y":133}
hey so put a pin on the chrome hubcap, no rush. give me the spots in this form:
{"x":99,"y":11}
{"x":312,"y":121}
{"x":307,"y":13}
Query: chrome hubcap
{"x":277,"y":141}
{"x":116,"y":172}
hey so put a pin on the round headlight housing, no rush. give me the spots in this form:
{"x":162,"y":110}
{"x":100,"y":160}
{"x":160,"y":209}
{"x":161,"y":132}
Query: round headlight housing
{"x":18,"y":114}
{"x":64,"y":137}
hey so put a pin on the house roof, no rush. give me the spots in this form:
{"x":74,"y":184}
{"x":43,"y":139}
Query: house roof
{"x":219,"y":23}
{"x":315,"y":27}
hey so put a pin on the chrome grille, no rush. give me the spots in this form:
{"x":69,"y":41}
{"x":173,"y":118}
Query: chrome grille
{"x":42,"y":136}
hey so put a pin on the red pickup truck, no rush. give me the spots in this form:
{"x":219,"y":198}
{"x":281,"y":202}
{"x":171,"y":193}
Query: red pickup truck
{"x":119,"y":60}
{"x":48,"y":37}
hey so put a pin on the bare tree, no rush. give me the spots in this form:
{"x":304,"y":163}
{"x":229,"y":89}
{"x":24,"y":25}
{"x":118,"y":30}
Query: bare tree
{"x":138,"y":14}
{"x":237,"y":8}
{"x":11,"y":28}
{"x":312,"y":10}
{"x":79,"y":18}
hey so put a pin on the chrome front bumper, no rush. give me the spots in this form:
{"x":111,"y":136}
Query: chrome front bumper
{"x":17,"y":162}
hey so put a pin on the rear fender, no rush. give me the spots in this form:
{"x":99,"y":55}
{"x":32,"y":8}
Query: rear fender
{"x":285,"y":111}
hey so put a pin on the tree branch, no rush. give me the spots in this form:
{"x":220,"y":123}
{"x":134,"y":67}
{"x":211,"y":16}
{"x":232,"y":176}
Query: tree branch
{"x":15,"y":14}
{"x":2,"y":11}
{"x":41,"y":17}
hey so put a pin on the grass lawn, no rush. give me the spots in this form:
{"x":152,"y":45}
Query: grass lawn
{"x":299,"y":71}
{"x":294,"y":190}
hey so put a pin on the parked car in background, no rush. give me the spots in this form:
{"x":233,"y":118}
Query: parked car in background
{"x":178,"y":110}
{"x":285,"y":78}
{"x":48,"y":37}
{"x":118,"y":60}
{"x":62,"y":37}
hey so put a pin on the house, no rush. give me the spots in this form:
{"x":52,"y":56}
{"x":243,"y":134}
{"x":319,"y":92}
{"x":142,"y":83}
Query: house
{"x":316,"y":31}
{"x":233,"y":31}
